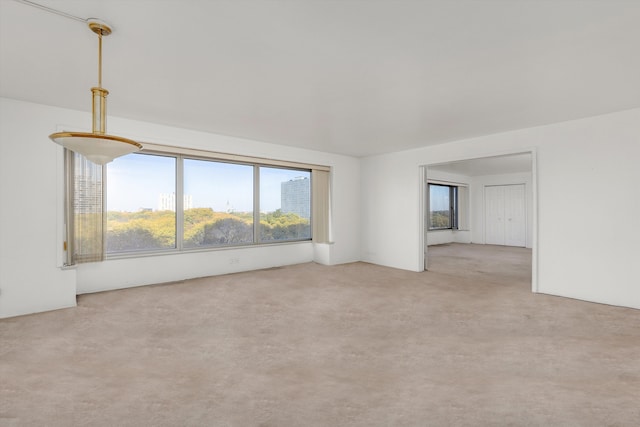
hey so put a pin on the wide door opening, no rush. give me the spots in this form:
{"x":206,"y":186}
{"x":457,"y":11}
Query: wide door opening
{"x":491,"y":201}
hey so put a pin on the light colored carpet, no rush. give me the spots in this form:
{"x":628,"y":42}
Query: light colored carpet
{"x":465,"y":344}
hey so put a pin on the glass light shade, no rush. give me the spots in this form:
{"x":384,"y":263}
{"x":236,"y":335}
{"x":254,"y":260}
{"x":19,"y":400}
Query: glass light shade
{"x":99,"y":149}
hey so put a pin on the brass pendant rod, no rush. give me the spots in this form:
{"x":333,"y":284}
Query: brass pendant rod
{"x":100,"y":60}
{"x":99,"y":94}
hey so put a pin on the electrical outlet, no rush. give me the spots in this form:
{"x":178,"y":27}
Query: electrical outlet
{"x":234,"y":261}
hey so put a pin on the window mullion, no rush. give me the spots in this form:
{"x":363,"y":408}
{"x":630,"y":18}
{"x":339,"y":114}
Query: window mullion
{"x":256,"y":204}
{"x":179,"y":202}
{"x":451,"y":208}
{"x":455,"y":207}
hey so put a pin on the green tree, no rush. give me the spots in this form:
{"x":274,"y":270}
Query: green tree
{"x":227,"y":231}
{"x":129,"y":231}
{"x":280,"y":226}
{"x":131,"y":239}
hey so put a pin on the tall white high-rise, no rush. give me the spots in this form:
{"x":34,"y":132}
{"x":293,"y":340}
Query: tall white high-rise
{"x":295,"y":197}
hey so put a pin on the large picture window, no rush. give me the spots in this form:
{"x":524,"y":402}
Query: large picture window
{"x":161,"y":202}
{"x":172,"y":199}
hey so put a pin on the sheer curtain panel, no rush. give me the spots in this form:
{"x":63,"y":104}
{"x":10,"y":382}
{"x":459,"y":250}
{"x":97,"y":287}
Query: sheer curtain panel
{"x":321,"y":206}
{"x":84,"y":209}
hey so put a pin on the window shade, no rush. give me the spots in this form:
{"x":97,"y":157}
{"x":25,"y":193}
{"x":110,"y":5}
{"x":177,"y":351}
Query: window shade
{"x":463,"y":208}
{"x":84,"y":209}
{"x":320,"y":205}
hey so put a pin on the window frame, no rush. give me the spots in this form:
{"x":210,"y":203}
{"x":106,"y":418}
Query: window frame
{"x":180,"y":203}
{"x":180,"y":155}
{"x":257,"y":232}
{"x":133,"y":253}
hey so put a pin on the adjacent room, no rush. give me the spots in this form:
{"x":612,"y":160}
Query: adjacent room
{"x":319,"y":213}
{"x":484,"y":201}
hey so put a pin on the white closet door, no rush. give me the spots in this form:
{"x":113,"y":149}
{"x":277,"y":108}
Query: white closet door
{"x":505,"y":218}
{"x":494,"y":215}
{"x":514,"y":214}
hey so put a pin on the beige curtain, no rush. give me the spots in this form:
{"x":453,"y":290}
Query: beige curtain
{"x":463,"y":208}
{"x":321,"y":206}
{"x":84,"y":209}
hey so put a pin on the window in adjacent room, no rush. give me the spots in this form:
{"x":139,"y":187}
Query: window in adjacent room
{"x":443,"y":207}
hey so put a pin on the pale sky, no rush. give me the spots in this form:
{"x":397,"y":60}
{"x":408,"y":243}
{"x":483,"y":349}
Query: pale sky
{"x":136,"y":181}
{"x":438,"y":198}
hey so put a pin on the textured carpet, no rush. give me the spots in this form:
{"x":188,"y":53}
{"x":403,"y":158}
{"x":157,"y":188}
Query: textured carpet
{"x":465,"y":344}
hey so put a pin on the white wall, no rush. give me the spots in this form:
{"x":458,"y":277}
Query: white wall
{"x":587,"y":180}
{"x":128,"y":272}
{"x":439,"y":237}
{"x":31,"y":232}
{"x":30,"y":224}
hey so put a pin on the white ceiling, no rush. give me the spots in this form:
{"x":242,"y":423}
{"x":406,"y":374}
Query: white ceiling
{"x":353,"y":77}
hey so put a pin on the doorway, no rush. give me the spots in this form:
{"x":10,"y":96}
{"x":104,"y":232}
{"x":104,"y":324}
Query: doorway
{"x":500,"y":202}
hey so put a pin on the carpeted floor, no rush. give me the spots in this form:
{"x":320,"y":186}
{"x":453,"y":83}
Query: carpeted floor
{"x":465,"y":344}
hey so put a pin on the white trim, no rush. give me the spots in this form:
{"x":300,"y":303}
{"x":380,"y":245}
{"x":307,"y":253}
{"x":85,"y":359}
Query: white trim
{"x":534,"y":224}
{"x":422,"y":217}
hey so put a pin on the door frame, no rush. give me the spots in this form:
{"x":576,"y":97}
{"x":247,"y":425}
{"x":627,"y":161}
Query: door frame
{"x":424,"y":212}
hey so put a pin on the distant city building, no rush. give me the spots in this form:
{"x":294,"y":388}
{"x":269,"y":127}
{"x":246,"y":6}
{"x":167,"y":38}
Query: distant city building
{"x":167,"y":202}
{"x":295,"y":197}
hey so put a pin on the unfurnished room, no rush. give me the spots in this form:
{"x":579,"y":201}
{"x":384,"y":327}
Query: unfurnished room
{"x":319,"y":213}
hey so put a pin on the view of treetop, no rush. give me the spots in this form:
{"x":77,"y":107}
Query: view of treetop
{"x":148,"y":230}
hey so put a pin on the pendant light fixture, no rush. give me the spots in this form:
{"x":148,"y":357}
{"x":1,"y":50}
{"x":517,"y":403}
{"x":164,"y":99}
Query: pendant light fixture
{"x":97,"y":146}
